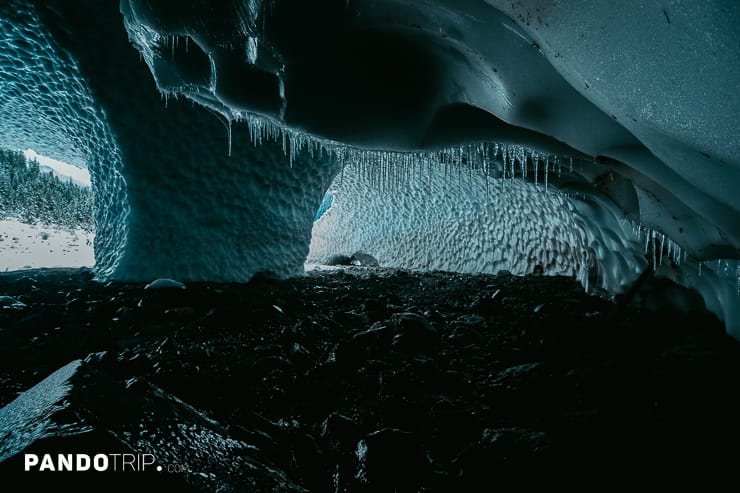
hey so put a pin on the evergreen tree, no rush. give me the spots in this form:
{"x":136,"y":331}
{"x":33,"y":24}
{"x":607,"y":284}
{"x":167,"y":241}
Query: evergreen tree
{"x":28,"y":195}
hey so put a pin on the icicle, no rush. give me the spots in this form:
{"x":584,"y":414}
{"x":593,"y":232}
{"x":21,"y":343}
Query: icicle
{"x":228,"y":132}
{"x":510,"y":157}
{"x":701,"y":264}
{"x":459,"y":171}
{"x":678,"y":253}
{"x":662,"y":243}
{"x":652,"y":242}
{"x":547,"y":170}
{"x":252,"y":49}
{"x":536,"y":171}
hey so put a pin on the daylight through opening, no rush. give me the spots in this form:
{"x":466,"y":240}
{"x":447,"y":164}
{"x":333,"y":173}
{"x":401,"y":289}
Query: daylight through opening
{"x":46,"y":213}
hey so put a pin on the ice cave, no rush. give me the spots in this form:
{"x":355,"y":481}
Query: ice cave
{"x":591,"y":139}
{"x":212,"y":142}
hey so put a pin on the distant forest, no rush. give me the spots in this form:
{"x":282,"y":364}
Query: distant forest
{"x":32,"y":196}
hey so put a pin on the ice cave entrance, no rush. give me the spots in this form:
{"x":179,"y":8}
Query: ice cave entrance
{"x":46,"y":212}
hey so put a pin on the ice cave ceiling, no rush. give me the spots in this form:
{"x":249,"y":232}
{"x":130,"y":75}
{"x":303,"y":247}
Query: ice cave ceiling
{"x":213,"y":129}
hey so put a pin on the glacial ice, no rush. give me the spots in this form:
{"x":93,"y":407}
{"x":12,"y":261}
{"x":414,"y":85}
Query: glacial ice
{"x":47,"y":105}
{"x":436,"y":222}
{"x":27,"y":418}
{"x":165,"y":284}
{"x":215,"y":169}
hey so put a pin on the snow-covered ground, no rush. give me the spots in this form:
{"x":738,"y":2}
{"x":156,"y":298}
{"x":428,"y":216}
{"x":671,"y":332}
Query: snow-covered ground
{"x":25,"y":246}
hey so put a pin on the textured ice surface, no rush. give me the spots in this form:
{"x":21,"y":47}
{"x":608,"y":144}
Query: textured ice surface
{"x":667,"y":72}
{"x":27,"y":418}
{"x":650,"y":86}
{"x":454,"y":219}
{"x":193,"y":212}
{"x":165,"y":284}
{"x":646,"y":89}
{"x":447,"y":220}
{"x":47,"y":105}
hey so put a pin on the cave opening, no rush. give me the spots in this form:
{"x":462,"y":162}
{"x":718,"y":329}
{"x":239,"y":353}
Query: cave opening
{"x":46,"y":213}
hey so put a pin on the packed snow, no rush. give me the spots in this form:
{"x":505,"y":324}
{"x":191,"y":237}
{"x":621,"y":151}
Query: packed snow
{"x":26,"y":246}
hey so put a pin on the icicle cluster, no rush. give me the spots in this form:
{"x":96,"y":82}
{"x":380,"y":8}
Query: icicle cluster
{"x":727,"y":269}
{"x":724,"y":269}
{"x":658,"y":247}
{"x":385,"y":168}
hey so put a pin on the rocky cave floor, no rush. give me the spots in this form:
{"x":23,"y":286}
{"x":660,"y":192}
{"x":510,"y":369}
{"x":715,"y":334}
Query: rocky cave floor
{"x":369,"y":380}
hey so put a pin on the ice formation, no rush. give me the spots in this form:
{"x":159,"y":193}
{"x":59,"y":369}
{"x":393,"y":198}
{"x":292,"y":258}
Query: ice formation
{"x":214,"y":168}
{"x":460,"y":224}
{"x":47,"y":104}
{"x":165,"y":284}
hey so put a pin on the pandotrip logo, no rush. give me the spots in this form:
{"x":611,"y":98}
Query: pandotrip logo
{"x":92,"y":463}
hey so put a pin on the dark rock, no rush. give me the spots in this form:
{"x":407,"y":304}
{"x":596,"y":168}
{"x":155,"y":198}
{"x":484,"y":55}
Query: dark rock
{"x":308,"y":465}
{"x":83,"y":396}
{"x":269,"y":363}
{"x":340,"y":433}
{"x":376,"y":309}
{"x":433,"y":316}
{"x":32,"y":322}
{"x":299,"y":352}
{"x":339,"y":259}
{"x":349,"y":355}
{"x":413,"y":333}
{"x":182,"y":312}
{"x":316,"y":327}
{"x":463,"y":334}
{"x":609,"y":392}
{"x":486,"y":305}
{"x":136,"y":364}
{"x":517,"y":375}
{"x":503,"y":453}
{"x":374,"y":338}
{"x":424,"y":369}
{"x":196,"y":355}
{"x":471,"y":321}
{"x":391,"y":460}
{"x":364,"y":260}
{"x":8,"y":302}
{"x":456,"y":424}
